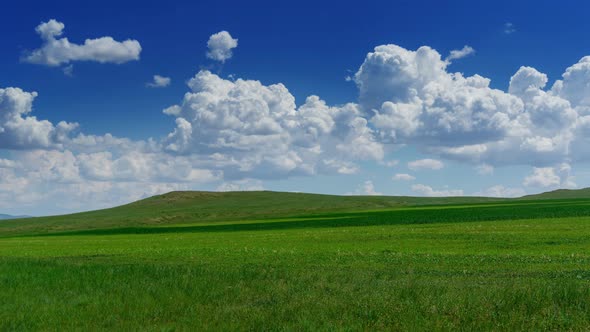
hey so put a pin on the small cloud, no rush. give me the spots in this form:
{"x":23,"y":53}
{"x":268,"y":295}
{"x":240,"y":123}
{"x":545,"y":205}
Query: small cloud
{"x":68,"y":70}
{"x":366,"y":188}
{"x":431,"y":164}
{"x":159,"y":82}
{"x":425,"y":190}
{"x":501,"y":191}
{"x":390,"y":163}
{"x":403,"y":177}
{"x":220,"y":46}
{"x":509,"y":28}
{"x":459,"y":54}
{"x":485,"y":169}
{"x":241,"y":185}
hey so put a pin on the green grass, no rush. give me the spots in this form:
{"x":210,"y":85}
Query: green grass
{"x":199,"y":207}
{"x":357,"y":264}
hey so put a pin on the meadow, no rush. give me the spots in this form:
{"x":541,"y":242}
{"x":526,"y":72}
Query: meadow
{"x":189,"y":261}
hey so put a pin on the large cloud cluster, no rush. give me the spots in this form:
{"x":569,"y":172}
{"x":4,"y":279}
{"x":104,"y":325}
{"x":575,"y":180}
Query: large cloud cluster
{"x":410,"y":97}
{"x":249,"y":129}
{"x":240,"y":132}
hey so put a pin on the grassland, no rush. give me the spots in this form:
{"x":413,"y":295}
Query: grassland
{"x":188,"y":261}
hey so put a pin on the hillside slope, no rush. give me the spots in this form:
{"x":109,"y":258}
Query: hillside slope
{"x":196,"y":207}
{"x":561,"y":194}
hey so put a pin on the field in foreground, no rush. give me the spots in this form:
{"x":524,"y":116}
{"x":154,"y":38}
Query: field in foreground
{"x":509,"y":265}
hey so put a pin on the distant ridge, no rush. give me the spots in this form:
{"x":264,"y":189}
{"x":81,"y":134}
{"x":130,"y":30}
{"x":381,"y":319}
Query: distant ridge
{"x":7,"y":216}
{"x":561,"y":194}
{"x":184,"y":207}
{"x":191,"y":207}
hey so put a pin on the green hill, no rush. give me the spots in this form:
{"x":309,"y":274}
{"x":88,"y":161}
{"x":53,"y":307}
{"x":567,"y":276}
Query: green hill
{"x":561,"y":194}
{"x":286,"y":261}
{"x":193,"y":207}
{"x":199,"y":207}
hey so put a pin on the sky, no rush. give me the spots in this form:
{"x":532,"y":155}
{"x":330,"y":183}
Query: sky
{"x":105,"y":103}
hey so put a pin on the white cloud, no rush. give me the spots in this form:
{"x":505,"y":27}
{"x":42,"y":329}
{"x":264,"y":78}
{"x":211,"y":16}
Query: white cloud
{"x":501,"y":191}
{"x":545,"y":177}
{"x":542,"y":177}
{"x":574,"y":86}
{"x":94,"y":180}
{"x":410,"y":98}
{"x":366,"y":189}
{"x":57,"y":51}
{"x":485,"y":169}
{"x":339,"y":166}
{"x":228,"y":130}
{"x":390,"y":163}
{"x":251,"y":130}
{"x":68,"y":70}
{"x":509,"y":28}
{"x":421,"y":164}
{"x":159,"y":82}
{"x":459,"y":54}
{"x":425,"y":190}
{"x":19,"y":130}
{"x":241,"y":185}
{"x":220,"y":46}
{"x":403,"y":177}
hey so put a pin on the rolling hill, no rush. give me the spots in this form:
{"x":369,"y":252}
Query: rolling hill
{"x":183,"y":207}
{"x":561,"y":194}
{"x":193,"y":207}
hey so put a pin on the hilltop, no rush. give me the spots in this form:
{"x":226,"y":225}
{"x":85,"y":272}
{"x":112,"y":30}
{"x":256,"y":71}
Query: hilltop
{"x":561,"y":194}
{"x":181,"y":207}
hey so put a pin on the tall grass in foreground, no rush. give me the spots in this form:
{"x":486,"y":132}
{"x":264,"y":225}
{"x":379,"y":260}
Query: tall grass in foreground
{"x":433,"y":268}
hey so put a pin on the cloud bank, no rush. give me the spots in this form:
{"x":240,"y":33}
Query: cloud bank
{"x":241,"y":132}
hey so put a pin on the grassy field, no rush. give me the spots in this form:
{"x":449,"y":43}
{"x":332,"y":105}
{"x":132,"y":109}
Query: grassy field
{"x":188,"y":261}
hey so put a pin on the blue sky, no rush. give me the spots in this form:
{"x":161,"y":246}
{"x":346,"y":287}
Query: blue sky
{"x":310,"y":48}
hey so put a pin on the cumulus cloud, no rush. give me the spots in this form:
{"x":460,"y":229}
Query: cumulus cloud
{"x":544,"y":177}
{"x":421,"y":164}
{"x":366,"y":189}
{"x":19,"y":130}
{"x":424,"y":190}
{"x":501,"y":191}
{"x":56,"y":51}
{"x":228,"y":130}
{"x":410,"y":98}
{"x":459,"y":54}
{"x":241,"y":185}
{"x":403,"y":177}
{"x":220,"y":46}
{"x":248,"y":129}
{"x":95,"y":180}
{"x":159,"y":82}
